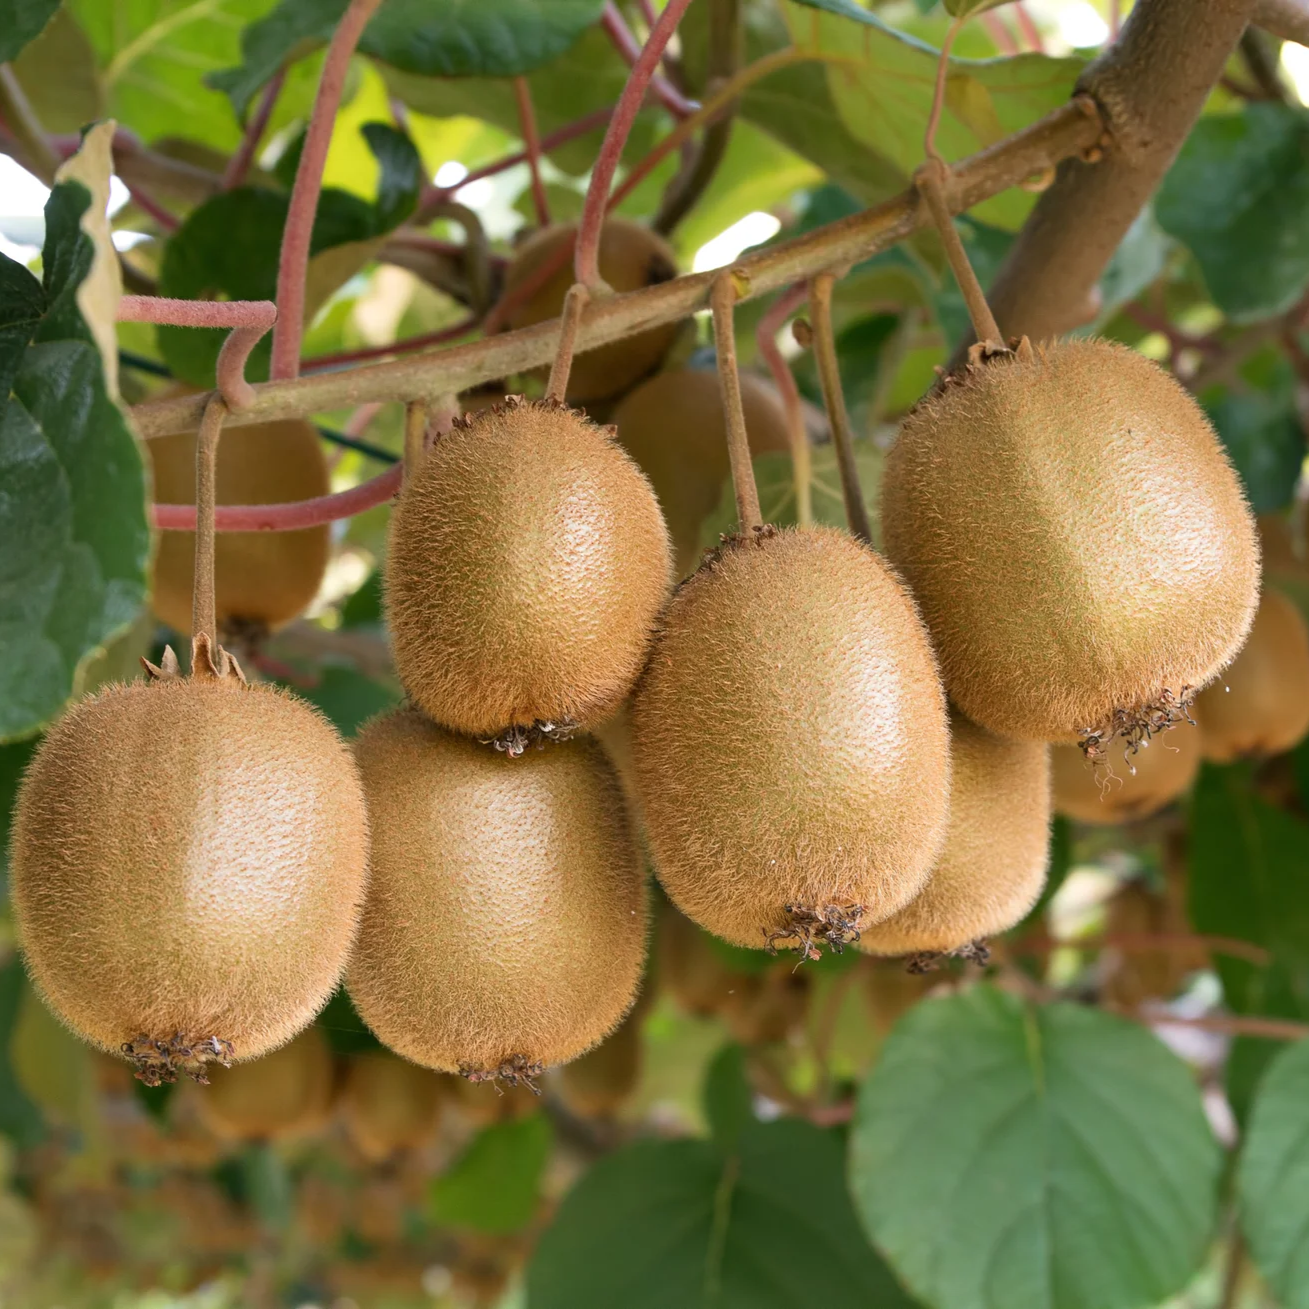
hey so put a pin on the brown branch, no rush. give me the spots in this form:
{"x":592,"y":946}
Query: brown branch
{"x":1141,"y":942}
{"x":1269,"y":1029}
{"x":1150,"y":87}
{"x":1068,"y":130}
{"x":1288,"y":19}
{"x":727,"y":290}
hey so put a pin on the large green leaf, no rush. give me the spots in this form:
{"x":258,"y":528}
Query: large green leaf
{"x":58,"y":73}
{"x":882,"y":83}
{"x":154,"y":55}
{"x":1238,"y":196}
{"x":660,"y":1223}
{"x":21,"y":21}
{"x":1033,"y":1158}
{"x":20,"y":1119}
{"x":1273,"y":1178}
{"x":457,"y":38}
{"x":495,"y":1184}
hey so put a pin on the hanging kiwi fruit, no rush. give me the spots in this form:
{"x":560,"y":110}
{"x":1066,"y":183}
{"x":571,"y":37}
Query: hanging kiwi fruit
{"x":262,"y":580}
{"x":527,"y":566}
{"x":505,"y":927}
{"x":1260,"y":705}
{"x":992,"y":867}
{"x":631,"y":257}
{"x":198,"y":902}
{"x":1126,"y":781}
{"x":389,"y":1105}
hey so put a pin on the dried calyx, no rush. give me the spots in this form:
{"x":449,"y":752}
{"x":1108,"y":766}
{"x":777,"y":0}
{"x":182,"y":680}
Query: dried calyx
{"x":811,"y":927}
{"x":517,"y":1070}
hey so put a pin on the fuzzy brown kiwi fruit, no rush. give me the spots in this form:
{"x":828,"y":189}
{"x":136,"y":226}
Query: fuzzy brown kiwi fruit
{"x":198,"y":900}
{"x":599,"y":1083}
{"x":528,"y":563}
{"x":1134,"y":976}
{"x":696,"y":975}
{"x":262,"y":580}
{"x":993,"y":865}
{"x":631,"y":257}
{"x":506,"y":919}
{"x":389,"y":1105}
{"x":767,"y":1007}
{"x":1125,"y":785}
{"x":1076,"y":538}
{"x":1260,"y":705}
{"x":286,"y":1093}
{"x":673,"y":426}
{"x":790,"y":743}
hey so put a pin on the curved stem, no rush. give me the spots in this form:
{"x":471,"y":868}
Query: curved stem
{"x":293,"y":266}
{"x":476,"y":251}
{"x":16,"y":109}
{"x":784,"y":380}
{"x":239,"y":164}
{"x":587,"y":255}
{"x":151,"y":207}
{"x":723,"y":302}
{"x":938,"y":93}
{"x":829,"y":372}
{"x":288,"y":517}
{"x":415,"y":437}
{"x":617,"y":30}
{"x":532,"y":144}
{"x":204,"y":615}
{"x":570,"y":319}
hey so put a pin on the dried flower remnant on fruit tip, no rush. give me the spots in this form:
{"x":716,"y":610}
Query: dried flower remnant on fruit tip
{"x":515,"y":740}
{"x":156,"y":1062}
{"x":1137,"y":726}
{"x":205,"y":662}
{"x":811,"y":927}
{"x":928,"y":961}
{"x":517,"y":1070}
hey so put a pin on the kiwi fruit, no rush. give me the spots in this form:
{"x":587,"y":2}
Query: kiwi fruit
{"x":695,"y":974}
{"x":1134,"y":976}
{"x":262,"y":580}
{"x":631,"y":257}
{"x":199,"y":900}
{"x":673,"y":426}
{"x":1125,"y":784}
{"x":528,"y":564}
{"x":767,"y":1007}
{"x":1260,"y":705}
{"x":790,"y":743}
{"x":505,"y":926}
{"x":1284,"y":566}
{"x":1076,"y":538}
{"x":482,"y":1104}
{"x":602,"y":1081}
{"x":389,"y":1105}
{"x":285,"y":1093}
{"x":993,"y":865}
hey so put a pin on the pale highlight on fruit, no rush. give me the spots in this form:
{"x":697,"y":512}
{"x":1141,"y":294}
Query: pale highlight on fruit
{"x":1125,"y":785}
{"x":262,"y":580}
{"x":389,"y":1105}
{"x":673,"y":426}
{"x":996,"y":848}
{"x":790,"y":743}
{"x":1260,"y":705}
{"x":528,"y":564}
{"x":283,"y":1094}
{"x":1076,"y":538}
{"x":631,"y":257}
{"x":188,"y":867}
{"x":505,"y":928}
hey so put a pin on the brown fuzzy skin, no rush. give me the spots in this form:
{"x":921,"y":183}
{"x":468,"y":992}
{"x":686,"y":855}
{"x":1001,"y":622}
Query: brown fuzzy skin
{"x":996,"y":850}
{"x":1260,"y":705}
{"x":1075,"y":535}
{"x":286,"y":1093}
{"x":262,"y":580}
{"x":689,"y":968}
{"x":506,"y":915}
{"x":768,"y":1007}
{"x":527,"y":567}
{"x":599,"y":1083}
{"x":189,"y":856}
{"x":1110,"y":792}
{"x":389,"y":1105}
{"x":789,"y":737}
{"x":631,"y":257}
{"x":673,"y":426}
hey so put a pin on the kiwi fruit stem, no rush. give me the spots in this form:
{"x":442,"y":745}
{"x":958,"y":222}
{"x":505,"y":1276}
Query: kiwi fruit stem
{"x":415,"y":436}
{"x":570,"y":318}
{"x":783,"y":379}
{"x":204,"y":610}
{"x":829,"y":373}
{"x":723,"y":302}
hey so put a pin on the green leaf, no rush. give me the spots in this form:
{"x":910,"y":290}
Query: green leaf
{"x":59,"y":75}
{"x":348,"y":698}
{"x":267,"y":1186}
{"x":1262,"y":432}
{"x":1138,"y":261}
{"x":1035,"y":1158}
{"x":494,"y":1185}
{"x":1273,"y":1178}
{"x":882,"y":83}
{"x":22,"y":303}
{"x":20,"y":1119}
{"x":154,"y":55}
{"x":73,"y":503}
{"x":21,"y":21}
{"x":14,"y":759}
{"x":401,"y":174}
{"x":1238,"y":197}
{"x":662,"y":1223}
{"x":458,"y":38}
{"x":728,"y":1103}
{"x":345,"y":1031}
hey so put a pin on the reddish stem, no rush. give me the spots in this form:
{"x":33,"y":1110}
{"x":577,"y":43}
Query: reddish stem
{"x":461,"y":328}
{"x":648,"y":12}
{"x":255,"y":127}
{"x":999,"y":32}
{"x":616,"y":28}
{"x":784,"y":380}
{"x":145,"y":202}
{"x":938,"y":94}
{"x":532,"y":143}
{"x":1031,"y":33}
{"x":293,"y":266}
{"x":587,"y":255}
{"x":286,"y":517}
{"x":1115,"y":19}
